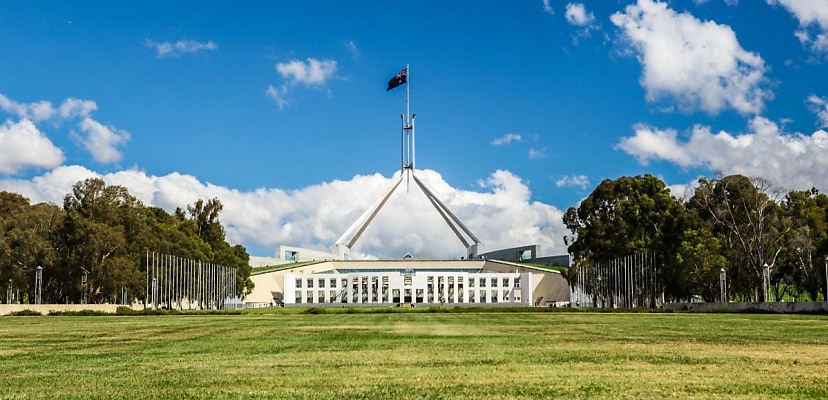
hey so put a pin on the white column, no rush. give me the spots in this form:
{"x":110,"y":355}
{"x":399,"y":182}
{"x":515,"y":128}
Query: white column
{"x":370,"y":289}
{"x":350,"y":289}
{"x":456,"y":289}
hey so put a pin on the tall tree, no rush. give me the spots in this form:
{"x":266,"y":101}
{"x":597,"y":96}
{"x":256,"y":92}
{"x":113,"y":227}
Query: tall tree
{"x":626,"y":216}
{"x":805,"y":214}
{"x":745,"y":212}
{"x":101,"y":237}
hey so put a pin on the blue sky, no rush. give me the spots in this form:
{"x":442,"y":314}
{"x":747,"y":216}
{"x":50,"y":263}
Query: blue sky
{"x":280,"y":109}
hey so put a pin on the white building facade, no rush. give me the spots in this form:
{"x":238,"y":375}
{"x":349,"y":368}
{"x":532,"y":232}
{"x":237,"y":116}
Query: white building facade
{"x":408,"y":287}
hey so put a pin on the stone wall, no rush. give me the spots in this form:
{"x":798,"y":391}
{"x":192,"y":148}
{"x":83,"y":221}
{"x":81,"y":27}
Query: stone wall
{"x":782,"y":308}
{"x":6,"y":309}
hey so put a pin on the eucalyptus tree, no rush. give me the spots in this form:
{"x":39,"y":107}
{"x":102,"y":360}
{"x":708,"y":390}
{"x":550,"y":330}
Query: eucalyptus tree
{"x":26,"y":242}
{"x":806,"y":244}
{"x":744,"y":211}
{"x":625,"y":216}
{"x":102,"y":241}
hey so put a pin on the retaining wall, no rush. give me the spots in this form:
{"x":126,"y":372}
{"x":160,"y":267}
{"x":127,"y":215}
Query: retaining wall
{"x":782,"y":308}
{"x":6,"y":309}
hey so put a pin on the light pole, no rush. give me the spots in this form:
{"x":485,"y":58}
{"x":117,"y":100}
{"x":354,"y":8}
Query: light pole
{"x":84,"y":280}
{"x":765,"y":281}
{"x":826,"y":279}
{"x":9,"y":293}
{"x":723,"y":285}
{"x":38,"y":285}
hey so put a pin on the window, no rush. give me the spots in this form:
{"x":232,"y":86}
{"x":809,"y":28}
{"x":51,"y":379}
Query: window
{"x":494,"y":282}
{"x":310,"y":283}
{"x":471,"y":282}
{"x":333,"y":283}
{"x":482,"y":282}
{"x":320,"y":295}
{"x":321,"y":283}
{"x":298,"y":283}
{"x":517,"y":282}
{"x":505,"y":282}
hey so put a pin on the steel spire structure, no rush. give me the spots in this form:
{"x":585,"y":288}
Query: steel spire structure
{"x":348,"y":239}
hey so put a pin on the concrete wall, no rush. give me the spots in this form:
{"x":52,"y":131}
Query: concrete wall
{"x":6,"y":309}
{"x":800,"y":307}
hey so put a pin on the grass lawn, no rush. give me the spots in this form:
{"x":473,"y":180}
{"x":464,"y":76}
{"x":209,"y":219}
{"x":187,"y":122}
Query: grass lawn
{"x":415,"y":356}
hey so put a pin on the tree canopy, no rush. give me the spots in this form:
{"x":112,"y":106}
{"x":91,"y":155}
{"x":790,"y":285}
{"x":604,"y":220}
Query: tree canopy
{"x":731,"y":223}
{"x":94,"y":247}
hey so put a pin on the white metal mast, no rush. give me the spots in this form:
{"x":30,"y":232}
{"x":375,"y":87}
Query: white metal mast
{"x":407,"y":155}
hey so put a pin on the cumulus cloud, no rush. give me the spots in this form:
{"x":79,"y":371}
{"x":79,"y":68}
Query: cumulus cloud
{"x":578,"y":181}
{"x":23,"y":146}
{"x":577,"y":14}
{"x":102,"y":141}
{"x":791,"y":160}
{"x":813,"y":22}
{"x":313,"y":73}
{"x":506,"y":139}
{"x":501,"y":213}
{"x":698,"y":64}
{"x":819,"y":105}
{"x":167,"y":49}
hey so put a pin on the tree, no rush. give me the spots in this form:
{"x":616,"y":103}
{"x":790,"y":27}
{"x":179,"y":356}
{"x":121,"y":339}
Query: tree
{"x":26,"y":242}
{"x":805,"y":214}
{"x":744,"y":212}
{"x":626,"y":216}
{"x":101,"y":238}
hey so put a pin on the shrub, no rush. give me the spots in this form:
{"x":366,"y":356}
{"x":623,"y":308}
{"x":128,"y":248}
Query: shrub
{"x":315,"y":310}
{"x":25,"y":313}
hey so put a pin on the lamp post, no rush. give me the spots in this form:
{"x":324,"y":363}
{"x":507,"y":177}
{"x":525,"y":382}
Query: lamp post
{"x":38,"y":285}
{"x":9,"y":293}
{"x":84,"y":280}
{"x":723,"y":285}
{"x":765,"y":281}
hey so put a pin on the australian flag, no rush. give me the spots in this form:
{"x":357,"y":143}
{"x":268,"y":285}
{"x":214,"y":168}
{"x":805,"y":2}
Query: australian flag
{"x":398,"y":80}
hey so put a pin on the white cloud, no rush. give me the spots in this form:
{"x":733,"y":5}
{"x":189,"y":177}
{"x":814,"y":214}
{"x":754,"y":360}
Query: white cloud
{"x":279,"y":95}
{"x":353,"y":48}
{"x":547,"y":8}
{"x":501,"y":214}
{"x":535,"y":154}
{"x":506,"y":139}
{"x":167,"y":49}
{"x":576,"y":14}
{"x":813,"y":22}
{"x":37,"y":111}
{"x":793,"y":161}
{"x":314,"y":72}
{"x":23,"y":146}
{"x":579,"y":181}
{"x":72,"y":107}
{"x":102,"y":141}
{"x":819,"y":105}
{"x":699,"y":64}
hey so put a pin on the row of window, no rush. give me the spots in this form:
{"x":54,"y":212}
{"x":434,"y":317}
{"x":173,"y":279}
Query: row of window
{"x":320,"y":282}
{"x":481,"y":296}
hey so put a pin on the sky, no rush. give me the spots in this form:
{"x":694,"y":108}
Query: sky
{"x":279,"y":109}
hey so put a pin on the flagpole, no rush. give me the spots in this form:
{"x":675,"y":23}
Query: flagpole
{"x":408,"y":113}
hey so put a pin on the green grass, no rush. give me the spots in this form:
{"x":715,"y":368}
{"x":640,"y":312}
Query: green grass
{"x":415,"y":355}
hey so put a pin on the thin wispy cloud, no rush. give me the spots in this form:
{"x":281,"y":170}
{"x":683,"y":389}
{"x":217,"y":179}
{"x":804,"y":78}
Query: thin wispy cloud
{"x":353,"y":48}
{"x":176,"y":49}
{"x":576,"y":181}
{"x":506,"y":139}
{"x":535,"y":154}
{"x":819,"y":106}
{"x":313,"y":73}
{"x":547,"y":8}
